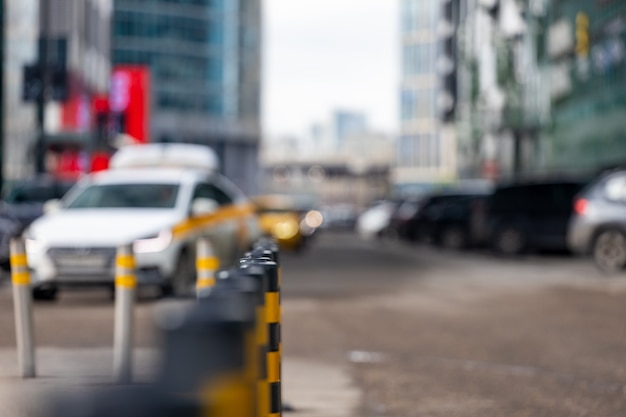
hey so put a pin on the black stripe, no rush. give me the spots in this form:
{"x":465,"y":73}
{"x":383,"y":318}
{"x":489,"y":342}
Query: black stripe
{"x":275,"y":398}
{"x":274,"y":342}
{"x":272,"y":271}
{"x":262,"y":363}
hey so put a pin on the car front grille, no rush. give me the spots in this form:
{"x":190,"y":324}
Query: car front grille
{"x":82,"y":259}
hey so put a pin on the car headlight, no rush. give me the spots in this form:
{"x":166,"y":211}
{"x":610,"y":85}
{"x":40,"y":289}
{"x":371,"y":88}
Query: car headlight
{"x":155,"y":243}
{"x":31,"y":244}
{"x":285,"y":229}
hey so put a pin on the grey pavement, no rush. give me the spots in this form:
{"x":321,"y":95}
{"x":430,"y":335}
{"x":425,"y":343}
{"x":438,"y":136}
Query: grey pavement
{"x":312,"y":388}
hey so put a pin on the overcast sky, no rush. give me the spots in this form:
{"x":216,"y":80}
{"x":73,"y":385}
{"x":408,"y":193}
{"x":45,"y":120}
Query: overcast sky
{"x":321,"y":55}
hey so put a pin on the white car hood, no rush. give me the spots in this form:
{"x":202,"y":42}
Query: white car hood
{"x":98,"y":227}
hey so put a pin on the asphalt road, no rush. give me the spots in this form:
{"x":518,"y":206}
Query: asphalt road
{"x":423,"y":333}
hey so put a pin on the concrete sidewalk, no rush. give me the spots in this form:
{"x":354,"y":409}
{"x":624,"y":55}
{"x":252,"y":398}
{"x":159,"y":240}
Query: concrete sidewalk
{"x":313,"y":389}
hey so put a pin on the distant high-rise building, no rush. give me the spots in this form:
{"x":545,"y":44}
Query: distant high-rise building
{"x":426,"y":148}
{"x":346,"y":124}
{"x":204,"y":57}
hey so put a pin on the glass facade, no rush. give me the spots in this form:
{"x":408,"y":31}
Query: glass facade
{"x":418,"y":146}
{"x":181,"y":42}
{"x":419,"y":15}
{"x":588,"y":118}
{"x":419,"y":151}
{"x":419,"y":59}
{"x":418,"y":104}
{"x":204,"y":58}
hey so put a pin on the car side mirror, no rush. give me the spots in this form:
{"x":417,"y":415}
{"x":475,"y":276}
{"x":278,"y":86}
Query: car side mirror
{"x":203,"y":206}
{"x":52,"y":206}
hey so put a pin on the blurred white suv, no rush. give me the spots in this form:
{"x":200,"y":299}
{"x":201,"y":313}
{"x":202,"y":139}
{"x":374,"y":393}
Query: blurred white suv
{"x":160,"y":198}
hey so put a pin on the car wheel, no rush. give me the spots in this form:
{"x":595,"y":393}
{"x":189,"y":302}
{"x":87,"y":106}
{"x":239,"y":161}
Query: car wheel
{"x":452,"y":238}
{"x":609,"y":251}
{"x":183,"y":282}
{"x":509,"y":240}
{"x":45,"y":294}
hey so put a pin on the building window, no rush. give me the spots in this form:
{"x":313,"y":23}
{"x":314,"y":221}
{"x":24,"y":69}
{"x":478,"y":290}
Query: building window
{"x":418,"y":104}
{"x":419,"y":15}
{"x":419,"y":59}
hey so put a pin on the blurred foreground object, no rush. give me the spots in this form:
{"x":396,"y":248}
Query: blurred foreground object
{"x":221,"y":357}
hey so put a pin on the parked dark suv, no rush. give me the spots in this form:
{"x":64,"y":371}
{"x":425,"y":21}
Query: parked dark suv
{"x":531,"y":215}
{"x":449,"y":220}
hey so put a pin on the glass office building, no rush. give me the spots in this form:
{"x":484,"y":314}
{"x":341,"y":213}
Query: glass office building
{"x":425,"y":150}
{"x":204,"y":58}
{"x":586,"y":55}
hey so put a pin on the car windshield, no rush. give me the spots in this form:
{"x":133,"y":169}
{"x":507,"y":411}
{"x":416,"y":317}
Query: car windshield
{"x":157,"y":196}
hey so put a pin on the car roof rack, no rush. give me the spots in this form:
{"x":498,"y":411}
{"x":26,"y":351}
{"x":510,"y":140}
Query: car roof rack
{"x":166,"y":155}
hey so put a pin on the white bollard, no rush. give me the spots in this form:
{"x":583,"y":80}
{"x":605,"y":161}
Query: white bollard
{"x":206,"y":266}
{"x":125,"y":292}
{"x":23,"y":305}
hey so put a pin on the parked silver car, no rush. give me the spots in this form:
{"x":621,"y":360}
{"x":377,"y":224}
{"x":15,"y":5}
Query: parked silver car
{"x":598,"y":225}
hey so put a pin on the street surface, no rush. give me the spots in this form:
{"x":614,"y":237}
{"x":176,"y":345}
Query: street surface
{"x":416,"y":331}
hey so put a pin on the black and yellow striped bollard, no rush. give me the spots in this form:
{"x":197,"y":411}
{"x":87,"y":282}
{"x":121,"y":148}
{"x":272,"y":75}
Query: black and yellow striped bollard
{"x":125,"y":293}
{"x":261,"y":335}
{"x":272,"y":317}
{"x":23,"y":305}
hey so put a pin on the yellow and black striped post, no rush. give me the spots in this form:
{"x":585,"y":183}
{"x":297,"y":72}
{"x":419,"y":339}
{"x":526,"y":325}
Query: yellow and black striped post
{"x":206,"y":266}
{"x":125,"y":289}
{"x":263,"y":257}
{"x":272,"y":301}
{"x":23,"y":305}
{"x":261,"y":334}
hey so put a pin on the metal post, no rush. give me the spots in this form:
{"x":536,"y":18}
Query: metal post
{"x":3,"y":31}
{"x":40,"y":143}
{"x":22,"y":300}
{"x":206,"y":265}
{"x":274,"y":292}
{"x":125,"y":289}
{"x":264,"y":256}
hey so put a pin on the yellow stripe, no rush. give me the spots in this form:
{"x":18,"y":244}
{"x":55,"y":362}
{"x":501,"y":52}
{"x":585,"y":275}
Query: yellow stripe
{"x":273,"y":366}
{"x":224,"y":213}
{"x":20,"y":278}
{"x":205,"y":282}
{"x":228,"y":395}
{"x":19,"y":259}
{"x":272,"y":307}
{"x":208,"y":263}
{"x":126,"y":281}
{"x":125,"y":261}
{"x":263,"y":399}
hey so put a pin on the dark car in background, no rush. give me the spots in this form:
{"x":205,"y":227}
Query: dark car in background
{"x":27,"y":198}
{"x":598,"y":225}
{"x":531,"y":215}
{"x":451,"y":220}
{"x":403,"y":211}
